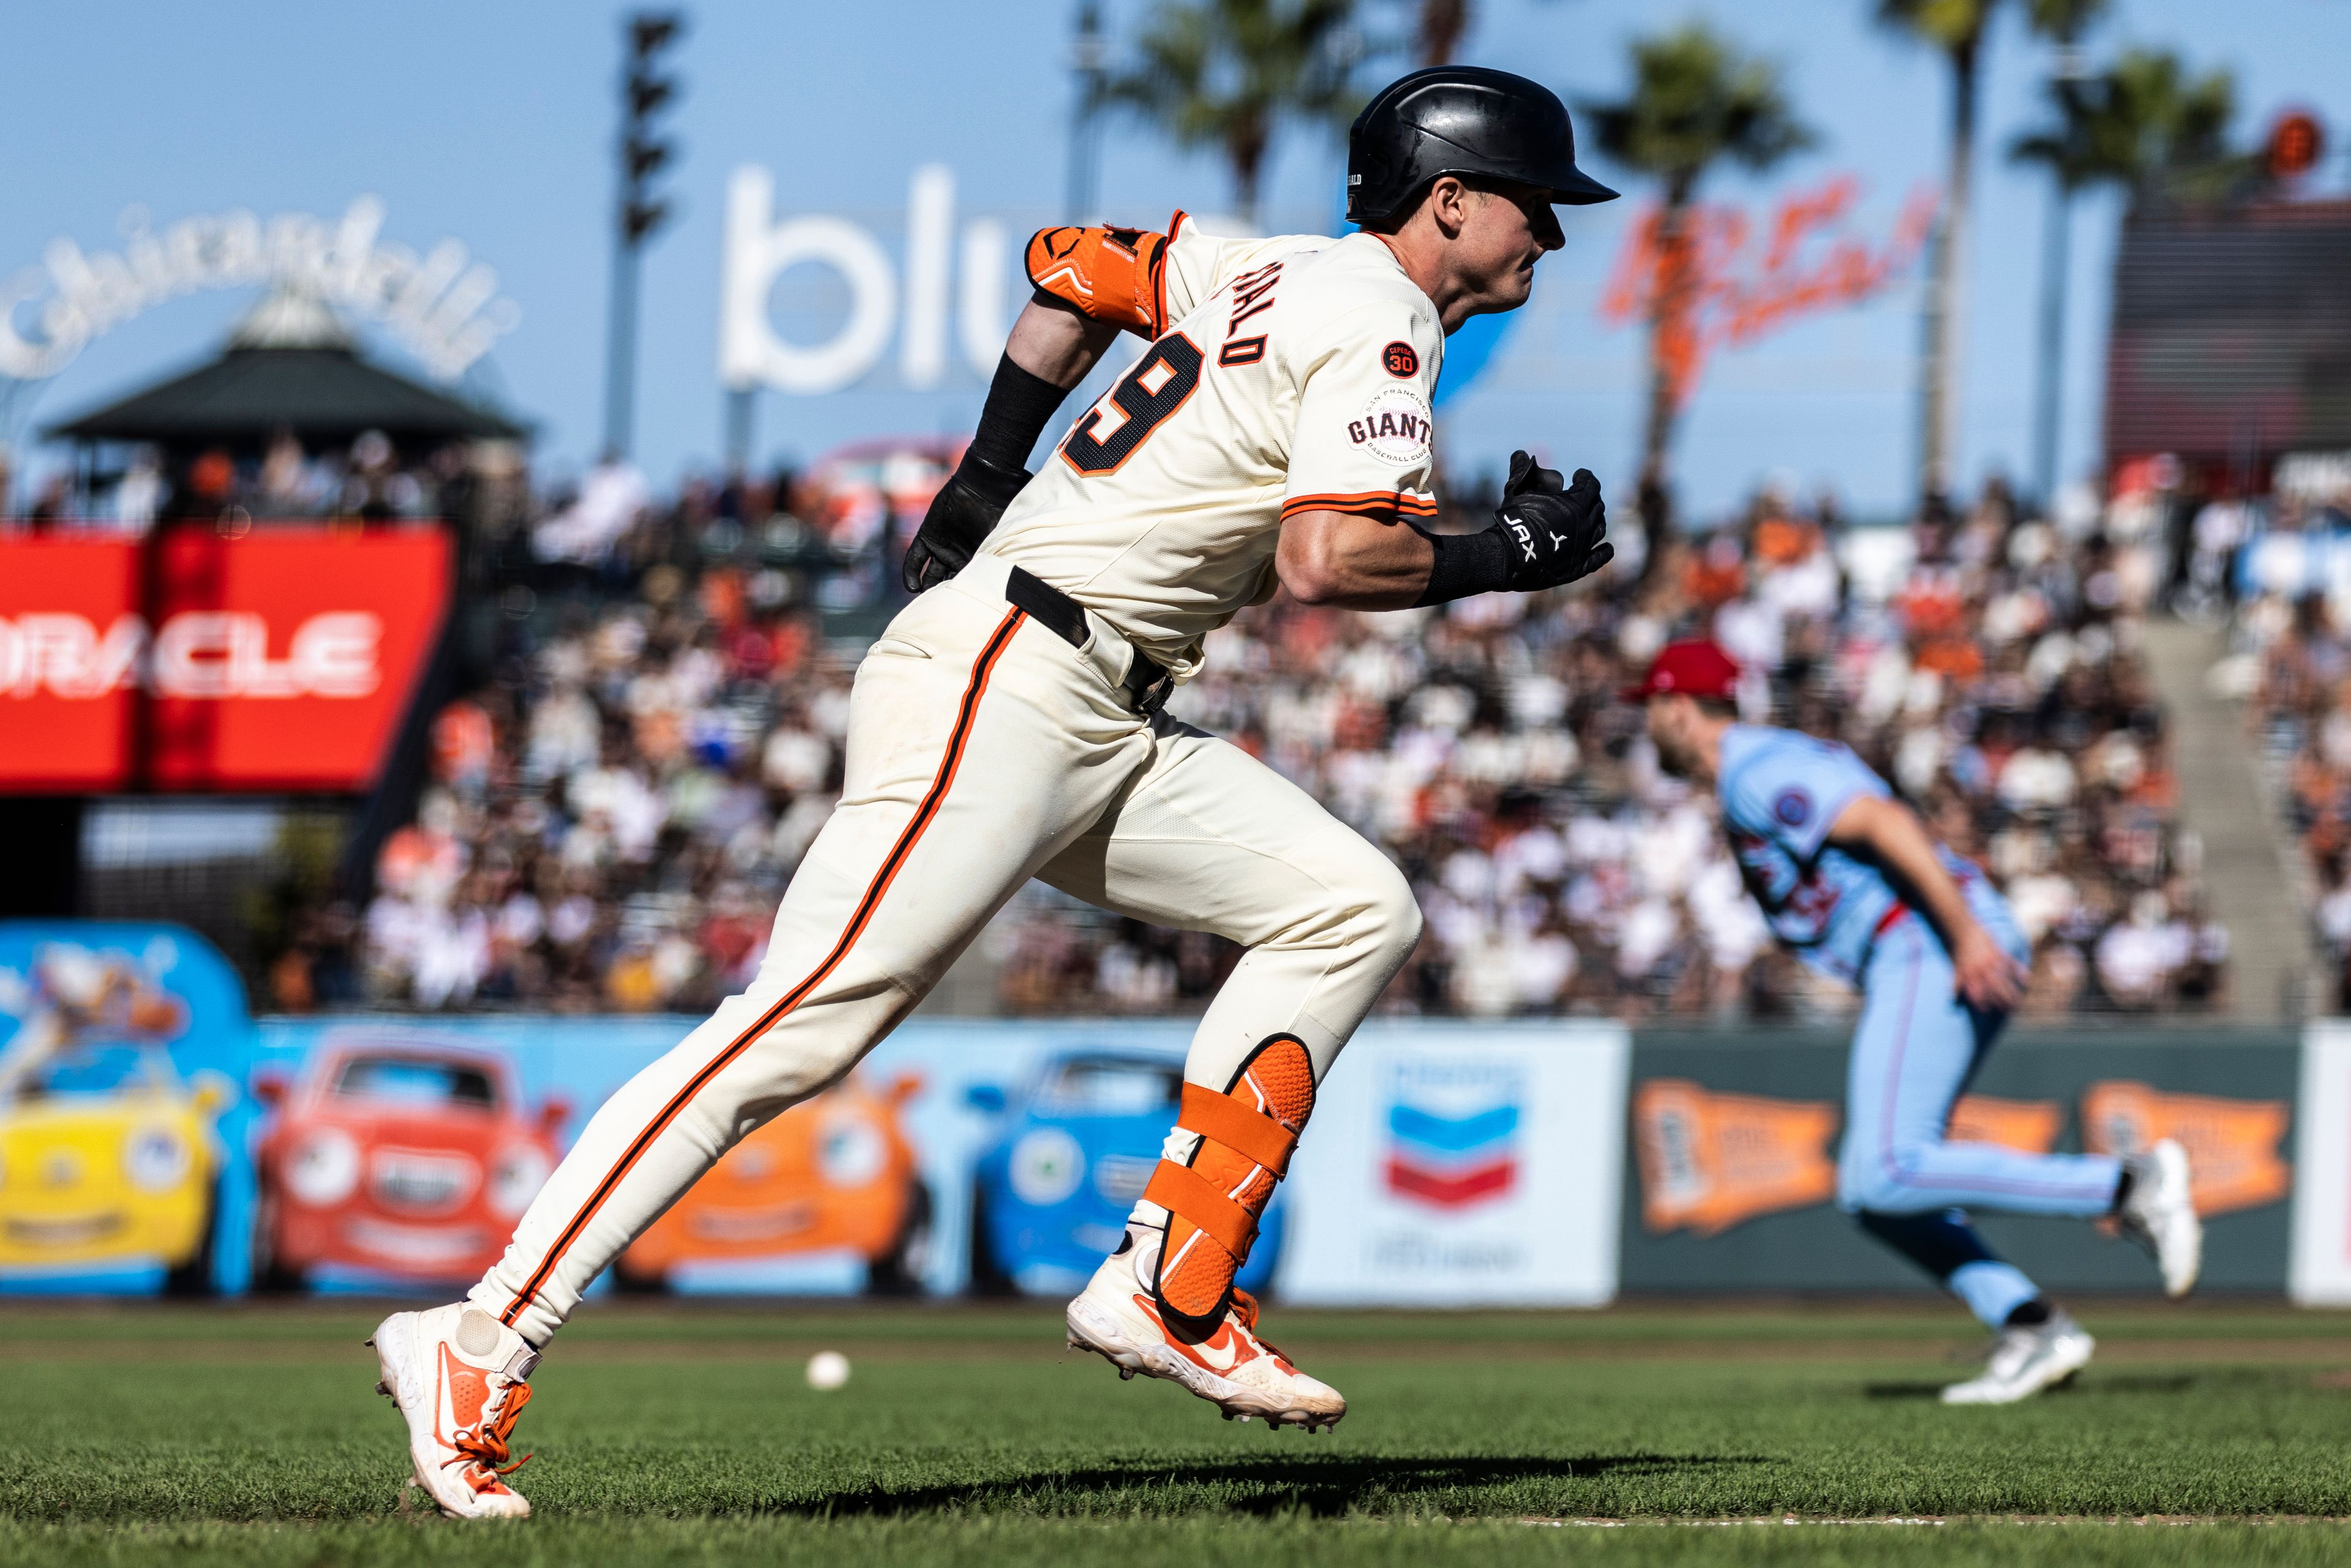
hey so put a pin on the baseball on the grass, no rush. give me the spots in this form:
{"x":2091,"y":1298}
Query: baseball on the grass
{"x":828,"y":1369}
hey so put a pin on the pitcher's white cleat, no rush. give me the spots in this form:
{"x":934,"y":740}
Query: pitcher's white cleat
{"x":1239,"y":1373}
{"x":456,"y":1373}
{"x":2024,"y":1361}
{"x":2161,"y":1215}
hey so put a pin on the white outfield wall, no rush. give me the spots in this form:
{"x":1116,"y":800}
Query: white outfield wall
{"x":1455,"y":1165}
{"x":2318,"y":1270}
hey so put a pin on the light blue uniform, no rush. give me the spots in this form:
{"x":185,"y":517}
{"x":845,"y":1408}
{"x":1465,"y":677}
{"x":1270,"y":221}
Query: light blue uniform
{"x":1918,"y":1044}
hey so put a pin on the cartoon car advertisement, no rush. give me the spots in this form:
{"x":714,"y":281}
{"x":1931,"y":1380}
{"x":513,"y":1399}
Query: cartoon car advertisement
{"x":111,"y":1153}
{"x":396,"y":1157}
{"x":835,"y":1177}
{"x":1050,"y":1195}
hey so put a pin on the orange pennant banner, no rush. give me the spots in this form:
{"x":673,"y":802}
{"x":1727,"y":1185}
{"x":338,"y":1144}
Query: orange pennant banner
{"x":1711,"y":1161}
{"x":2029,"y":1126}
{"x":2233,"y":1144}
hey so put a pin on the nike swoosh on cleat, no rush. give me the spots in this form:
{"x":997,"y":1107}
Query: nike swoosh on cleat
{"x":1224,"y":1341}
{"x":445,"y":1396}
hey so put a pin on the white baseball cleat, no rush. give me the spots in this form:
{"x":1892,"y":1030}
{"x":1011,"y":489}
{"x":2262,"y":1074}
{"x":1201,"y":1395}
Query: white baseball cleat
{"x":456,"y":1373}
{"x":2026,"y":1360}
{"x":2161,"y":1215}
{"x":1234,"y":1370}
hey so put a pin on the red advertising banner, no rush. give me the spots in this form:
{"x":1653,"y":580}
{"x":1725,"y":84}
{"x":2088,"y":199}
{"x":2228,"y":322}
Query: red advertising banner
{"x":280,"y":660}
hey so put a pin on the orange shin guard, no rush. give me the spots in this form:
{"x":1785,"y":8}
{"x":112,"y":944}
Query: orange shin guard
{"x":1213,"y":1203}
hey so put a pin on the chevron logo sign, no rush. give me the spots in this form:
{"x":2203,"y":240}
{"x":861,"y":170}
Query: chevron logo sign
{"x":1452,"y":1132}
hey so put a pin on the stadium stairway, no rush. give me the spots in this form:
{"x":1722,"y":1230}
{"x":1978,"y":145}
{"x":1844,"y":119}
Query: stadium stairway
{"x":2253,"y":872}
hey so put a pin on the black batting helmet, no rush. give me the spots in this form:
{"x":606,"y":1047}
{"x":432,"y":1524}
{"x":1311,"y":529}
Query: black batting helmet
{"x":1461,"y":119}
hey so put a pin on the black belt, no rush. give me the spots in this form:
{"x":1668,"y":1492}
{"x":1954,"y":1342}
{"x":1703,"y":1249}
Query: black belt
{"x":1147,"y":682}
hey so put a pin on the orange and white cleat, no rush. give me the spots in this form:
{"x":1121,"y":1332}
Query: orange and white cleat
{"x":456,"y":1373}
{"x":1117,"y":1319}
{"x":1163,"y":1304}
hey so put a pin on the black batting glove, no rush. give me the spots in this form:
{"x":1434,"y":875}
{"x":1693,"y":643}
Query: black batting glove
{"x":1556,"y":532}
{"x":962,"y":516}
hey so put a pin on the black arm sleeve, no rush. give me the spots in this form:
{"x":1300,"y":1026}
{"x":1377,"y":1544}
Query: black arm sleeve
{"x":1019,"y":406}
{"x":1466,"y":564}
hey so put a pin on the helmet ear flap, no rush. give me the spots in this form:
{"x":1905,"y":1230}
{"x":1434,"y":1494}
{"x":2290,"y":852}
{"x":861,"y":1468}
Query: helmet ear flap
{"x":1368,"y":201}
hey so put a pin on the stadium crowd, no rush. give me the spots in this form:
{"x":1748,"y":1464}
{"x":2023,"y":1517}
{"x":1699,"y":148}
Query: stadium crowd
{"x":2283,"y":562}
{"x":371,"y":480}
{"x":616,"y":812}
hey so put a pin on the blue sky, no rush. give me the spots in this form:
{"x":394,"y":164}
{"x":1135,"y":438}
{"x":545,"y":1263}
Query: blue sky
{"x":493,"y":124}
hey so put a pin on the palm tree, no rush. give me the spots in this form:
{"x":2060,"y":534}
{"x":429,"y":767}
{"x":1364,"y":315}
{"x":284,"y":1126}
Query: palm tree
{"x":1956,"y":30}
{"x":1437,"y":31}
{"x":1228,"y":73}
{"x":1696,"y":101}
{"x":2064,"y":153}
{"x":2143,"y":125}
{"x":2163,"y":134}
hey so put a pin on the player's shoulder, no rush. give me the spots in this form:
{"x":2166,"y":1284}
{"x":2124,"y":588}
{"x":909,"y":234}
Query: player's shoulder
{"x":1780,"y":780}
{"x":1353,"y":295}
{"x":1751,"y":751}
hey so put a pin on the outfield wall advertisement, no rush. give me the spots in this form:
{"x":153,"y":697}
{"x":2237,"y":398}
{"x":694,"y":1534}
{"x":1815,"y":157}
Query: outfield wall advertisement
{"x":152,"y":1137}
{"x":1731,"y":1161}
{"x":1462,"y":1165}
{"x":280,"y":659}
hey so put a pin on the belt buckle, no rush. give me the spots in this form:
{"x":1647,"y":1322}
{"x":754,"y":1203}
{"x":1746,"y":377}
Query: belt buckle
{"x":1152,"y":698}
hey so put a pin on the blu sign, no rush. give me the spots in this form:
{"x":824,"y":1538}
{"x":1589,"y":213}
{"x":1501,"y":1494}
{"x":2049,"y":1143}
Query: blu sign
{"x":942,"y":278}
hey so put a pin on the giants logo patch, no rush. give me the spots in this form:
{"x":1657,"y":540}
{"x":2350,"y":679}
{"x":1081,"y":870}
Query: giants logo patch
{"x":1402,"y":363}
{"x":1394,"y":427}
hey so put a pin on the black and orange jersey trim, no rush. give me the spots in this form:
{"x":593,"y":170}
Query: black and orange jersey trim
{"x":1363,"y":504}
{"x":958,"y":738}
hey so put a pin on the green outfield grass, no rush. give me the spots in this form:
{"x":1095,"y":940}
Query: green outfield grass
{"x":140,"y":1435}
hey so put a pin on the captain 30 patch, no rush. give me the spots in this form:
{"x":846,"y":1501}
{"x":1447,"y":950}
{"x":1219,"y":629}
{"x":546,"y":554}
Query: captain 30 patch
{"x":1394,"y":426}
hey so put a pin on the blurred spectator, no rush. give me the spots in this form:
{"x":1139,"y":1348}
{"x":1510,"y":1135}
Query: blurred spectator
{"x":2291,"y":577}
{"x":614,"y":816}
{"x":611,"y":501}
{"x":139,"y":498}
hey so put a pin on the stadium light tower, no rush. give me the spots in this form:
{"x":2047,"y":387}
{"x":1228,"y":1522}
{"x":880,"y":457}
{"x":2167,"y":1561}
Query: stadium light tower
{"x":643,"y":95}
{"x":1089,"y":54}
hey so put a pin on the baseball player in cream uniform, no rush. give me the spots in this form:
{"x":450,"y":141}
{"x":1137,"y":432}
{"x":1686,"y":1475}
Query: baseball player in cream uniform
{"x":1275,"y":434}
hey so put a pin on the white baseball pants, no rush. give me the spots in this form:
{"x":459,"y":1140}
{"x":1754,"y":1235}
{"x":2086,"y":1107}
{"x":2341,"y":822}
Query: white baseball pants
{"x":983,"y":750}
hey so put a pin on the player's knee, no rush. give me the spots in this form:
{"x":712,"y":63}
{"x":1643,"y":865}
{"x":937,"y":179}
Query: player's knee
{"x":1856,"y":1193}
{"x":1387,"y":916}
{"x":777,"y":1062}
{"x":1877,"y":1183}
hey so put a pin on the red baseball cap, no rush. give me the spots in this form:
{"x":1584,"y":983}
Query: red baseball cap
{"x":1696,"y":668}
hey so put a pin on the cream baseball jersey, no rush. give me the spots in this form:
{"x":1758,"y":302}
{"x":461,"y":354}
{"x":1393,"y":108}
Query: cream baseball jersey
{"x":1288,"y":375}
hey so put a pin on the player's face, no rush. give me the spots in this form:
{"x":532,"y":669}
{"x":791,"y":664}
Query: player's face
{"x":1509,"y":229}
{"x":1670,"y":725}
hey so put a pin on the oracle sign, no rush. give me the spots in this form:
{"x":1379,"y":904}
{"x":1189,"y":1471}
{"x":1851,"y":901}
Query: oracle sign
{"x":281,"y":660}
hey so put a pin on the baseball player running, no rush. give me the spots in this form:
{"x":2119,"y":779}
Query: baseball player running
{"x":1275,"y":434}
{"x":1850,"y":879}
